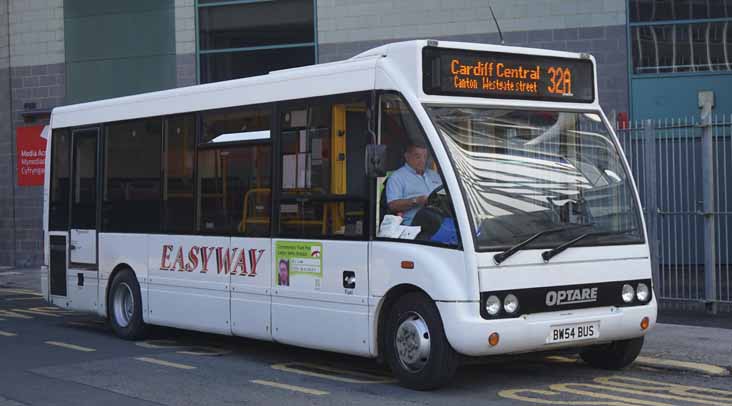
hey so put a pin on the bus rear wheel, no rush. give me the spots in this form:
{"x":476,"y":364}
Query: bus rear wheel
{"x":416,"y":347}
{"x":124,"y":306}
{"x":616,"y":355}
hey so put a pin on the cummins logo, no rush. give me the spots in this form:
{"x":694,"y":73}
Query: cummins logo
{"x":571,"y":296}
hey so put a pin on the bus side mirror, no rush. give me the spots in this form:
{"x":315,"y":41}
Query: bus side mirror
{"x":375,"y":160}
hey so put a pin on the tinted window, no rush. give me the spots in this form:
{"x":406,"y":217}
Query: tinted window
{"x":256,"y":24}
{"x":236,"y":125}
{"x":682,"y":48}
{"x":662,"y":10}
{"x":178,"y":184}
{"x":84,"y":188}
{"x":254,"y":37}
{"x":231,"y":65}
{"x":235,"y":189}
{"x":58,"y":212}
{"x":131,"y":185}
{"x":323,"y":182}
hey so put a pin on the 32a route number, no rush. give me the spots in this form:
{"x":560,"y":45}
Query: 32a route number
{"x":561,"y":80}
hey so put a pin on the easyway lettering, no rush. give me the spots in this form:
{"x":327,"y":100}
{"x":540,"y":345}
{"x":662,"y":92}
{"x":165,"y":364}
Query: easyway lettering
{"x":234,"y":261}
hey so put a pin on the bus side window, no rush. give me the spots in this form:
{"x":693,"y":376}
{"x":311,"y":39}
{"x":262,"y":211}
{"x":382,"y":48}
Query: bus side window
{"x":323,"y":185}
{"x":178,"y":183}
{"x":413,"y":203}
{"x":58,"y":217}
{"x":234,"y":171}
{"x":131,"y":183}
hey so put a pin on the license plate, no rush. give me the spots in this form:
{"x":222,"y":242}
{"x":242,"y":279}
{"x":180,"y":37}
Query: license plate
{"x":573,"y":332}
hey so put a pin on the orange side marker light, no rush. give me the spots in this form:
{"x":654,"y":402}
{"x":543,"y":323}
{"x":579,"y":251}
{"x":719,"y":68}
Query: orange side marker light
{"x":407,"y":265}
{"x":493,"y":339}
{"x":644,"y":323}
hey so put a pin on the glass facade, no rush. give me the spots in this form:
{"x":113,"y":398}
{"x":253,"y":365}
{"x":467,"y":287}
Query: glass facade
{"x":669,"y":36}
{"x":247,"y":38}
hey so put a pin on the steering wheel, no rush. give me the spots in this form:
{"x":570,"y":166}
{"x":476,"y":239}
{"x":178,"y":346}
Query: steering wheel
{"x":438,"y":201}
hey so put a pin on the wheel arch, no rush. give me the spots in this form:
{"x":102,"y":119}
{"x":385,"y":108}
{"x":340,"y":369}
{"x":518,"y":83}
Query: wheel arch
{"x":386,"y":303}
{"x":117,"y":269}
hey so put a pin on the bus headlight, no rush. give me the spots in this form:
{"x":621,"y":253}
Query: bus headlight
{"x":510,"y":303}
{"x":642,"y":292}
{"x":628,"y":293}
{"x":492,"y":305}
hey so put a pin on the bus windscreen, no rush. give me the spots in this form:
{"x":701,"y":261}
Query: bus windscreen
{"x":459,"y":72}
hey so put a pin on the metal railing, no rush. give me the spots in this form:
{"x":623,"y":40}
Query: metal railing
{"x":683,"y":169}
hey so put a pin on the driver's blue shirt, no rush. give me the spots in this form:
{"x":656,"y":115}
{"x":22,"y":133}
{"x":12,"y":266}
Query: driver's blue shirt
{"x":406,"y":183}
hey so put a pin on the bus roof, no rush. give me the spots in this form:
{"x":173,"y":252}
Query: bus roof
{"x":352,"y":75}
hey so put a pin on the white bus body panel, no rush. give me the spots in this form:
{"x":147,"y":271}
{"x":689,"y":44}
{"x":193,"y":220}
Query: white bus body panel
{"x":186,"y":296}
{"x":122,"y":250}
{"x":250,"y":290}
{"x":468,"y":333}
{"x":45,"y":281}
{"x":83,"y":246}
{"x":319,"y":312}
{"x":440,"y":272}
{"x":81,"y":297}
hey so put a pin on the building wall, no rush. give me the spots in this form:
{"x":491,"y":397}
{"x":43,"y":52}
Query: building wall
{"x":185,"y":42}
{"x":346,"y":28}
{"x":33,"y":72}
{"x":7,"y":191}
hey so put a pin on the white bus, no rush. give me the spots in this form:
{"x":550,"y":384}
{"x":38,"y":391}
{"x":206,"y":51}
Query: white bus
{"x":421,"y":203}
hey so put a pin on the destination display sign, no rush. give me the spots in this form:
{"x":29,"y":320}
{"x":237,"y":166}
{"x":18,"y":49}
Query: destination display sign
{"x":459,"y":72}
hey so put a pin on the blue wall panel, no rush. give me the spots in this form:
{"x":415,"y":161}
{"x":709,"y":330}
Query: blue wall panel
{"x":676,"y":96}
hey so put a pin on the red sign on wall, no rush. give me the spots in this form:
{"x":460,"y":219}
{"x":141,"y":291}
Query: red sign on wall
{"x":31,"y":150}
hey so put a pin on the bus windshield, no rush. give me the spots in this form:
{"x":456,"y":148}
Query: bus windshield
{"x":526,"y":171}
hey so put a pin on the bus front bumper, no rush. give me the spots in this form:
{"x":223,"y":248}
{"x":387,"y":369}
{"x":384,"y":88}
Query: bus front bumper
{"x":468,"y":332}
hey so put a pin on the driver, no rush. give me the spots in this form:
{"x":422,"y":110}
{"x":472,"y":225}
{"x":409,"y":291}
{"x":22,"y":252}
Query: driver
{"x":408,"y":187}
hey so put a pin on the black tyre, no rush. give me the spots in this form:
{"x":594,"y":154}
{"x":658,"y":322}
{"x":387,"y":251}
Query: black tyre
{"x":124,"y":306}
{"x":415,"y":346}
{"x":616,"y":355}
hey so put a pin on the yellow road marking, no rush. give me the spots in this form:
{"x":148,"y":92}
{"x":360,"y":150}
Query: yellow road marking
{"x":691,"y":366}
{"x":54,"y":310}
{"x":645,"y":393}
{"x":165,"y":363}
{"x":21,"y":298}
{"x":204,"y":351}
{"x":368,"y":378}
{"x":691,"y":393}
{"x":5,"y":291}
{"x":291,"y":387}
{"x":159,"y":344}
{"x":7,"y":334}
{"x":36,"y":312}
{"x":558,"y":359}
{"x":521,"y":395}
{"x":8,"y":313}
{"x":640,"y":389}
{"x":70,"y":346}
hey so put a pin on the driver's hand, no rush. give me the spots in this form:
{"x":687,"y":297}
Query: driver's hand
{"x":421,"y":200}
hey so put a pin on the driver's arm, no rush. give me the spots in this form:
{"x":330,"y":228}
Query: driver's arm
{"x":406,"y":204}
{"x":396,"y":196}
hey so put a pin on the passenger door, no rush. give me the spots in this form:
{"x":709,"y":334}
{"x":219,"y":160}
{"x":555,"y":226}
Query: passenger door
{"x":83,"y":232}
{"x":320,"y":258}
{"x":82,"y":277}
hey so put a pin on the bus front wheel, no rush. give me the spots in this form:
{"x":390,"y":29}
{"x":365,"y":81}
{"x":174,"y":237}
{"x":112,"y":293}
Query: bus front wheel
{"x":416,"y":347}
{"x":125,"y":306}
{"x":616,"y":355}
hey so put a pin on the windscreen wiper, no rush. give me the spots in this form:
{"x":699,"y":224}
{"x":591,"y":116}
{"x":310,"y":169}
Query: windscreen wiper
{"x":502,"y":256}
{"x":549,"y":254}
